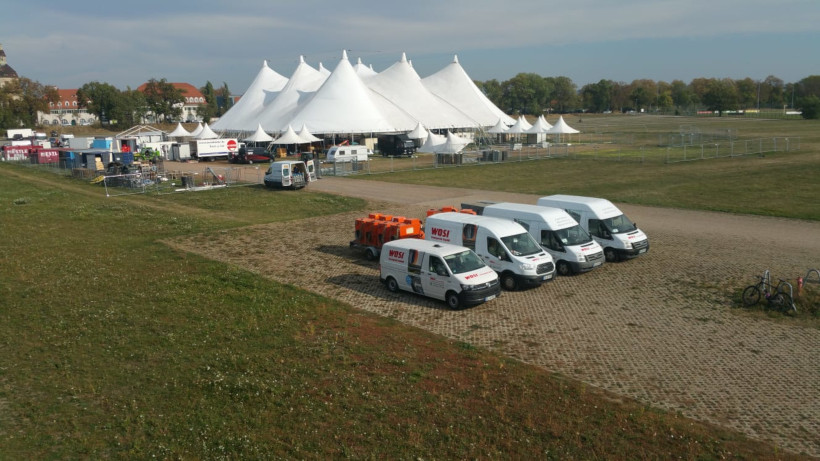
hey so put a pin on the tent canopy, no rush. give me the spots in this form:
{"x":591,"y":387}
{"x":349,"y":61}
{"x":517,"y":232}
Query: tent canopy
{"x":179,"y":132}
{"x":206,"y":133}
{"x":259,"y":136}
{"x":289,"y":137}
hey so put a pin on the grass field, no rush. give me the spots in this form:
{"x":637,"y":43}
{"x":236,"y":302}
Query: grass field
{"x":115,"y":346}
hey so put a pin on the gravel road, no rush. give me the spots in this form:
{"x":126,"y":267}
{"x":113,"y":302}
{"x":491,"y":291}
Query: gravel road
{"x":662,"y":328}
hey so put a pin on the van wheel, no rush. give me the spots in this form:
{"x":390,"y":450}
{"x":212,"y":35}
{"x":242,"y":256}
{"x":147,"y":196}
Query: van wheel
{"x":370,"y":254}
{"x":563,"y":268}
{"x":508,"y":281}
{"x":392,"y":285}
{"x":610,"y":255}
{"x":452,"y":300}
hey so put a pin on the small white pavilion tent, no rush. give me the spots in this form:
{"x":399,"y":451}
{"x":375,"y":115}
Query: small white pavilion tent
{"x":179,"y":132}
{"x":305,"y":134}
{"x":259,"y":135}
{"x":419,"y":132}
{"x":561,"y":128}
{"x":197,"y":130}
{"x":207,"y":133}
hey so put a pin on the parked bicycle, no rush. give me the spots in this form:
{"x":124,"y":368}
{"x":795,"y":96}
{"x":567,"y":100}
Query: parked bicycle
{"x":778,"y":297}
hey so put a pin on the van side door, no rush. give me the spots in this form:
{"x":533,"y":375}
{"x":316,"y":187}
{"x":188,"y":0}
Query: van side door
{"x":435,"y":277}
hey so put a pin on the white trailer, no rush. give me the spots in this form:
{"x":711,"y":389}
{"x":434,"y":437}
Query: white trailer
{"x":211,"y":149}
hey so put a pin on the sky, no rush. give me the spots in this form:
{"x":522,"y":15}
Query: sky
{"x":68,"y":44}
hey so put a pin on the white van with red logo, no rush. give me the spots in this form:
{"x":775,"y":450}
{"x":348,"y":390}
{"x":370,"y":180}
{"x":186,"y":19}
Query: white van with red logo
{"x":452,"y":273}
{"x":504,"y":245}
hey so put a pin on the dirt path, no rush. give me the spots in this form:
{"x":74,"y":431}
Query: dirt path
{"x":661,"y":328}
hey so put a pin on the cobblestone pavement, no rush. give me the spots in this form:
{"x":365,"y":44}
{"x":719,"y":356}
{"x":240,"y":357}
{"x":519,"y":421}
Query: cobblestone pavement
{"x":662,"y":328}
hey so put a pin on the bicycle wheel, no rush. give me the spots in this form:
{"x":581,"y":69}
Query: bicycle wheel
{"x":751,"y":296}
{"x":787,"y":304}
{"x":779,"y":303}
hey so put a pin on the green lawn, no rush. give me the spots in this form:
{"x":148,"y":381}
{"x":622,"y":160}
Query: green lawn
{"x":115,"y":346}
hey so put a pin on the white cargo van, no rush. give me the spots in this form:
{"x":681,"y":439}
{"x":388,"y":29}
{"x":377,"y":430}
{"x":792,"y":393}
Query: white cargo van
{"x":290,"y":174}
{"x":620,"y":237}
{"x":504,"y":245}
{"x":451,"y":273}
{"x":341,"y":154}
{"x":570,"y":246}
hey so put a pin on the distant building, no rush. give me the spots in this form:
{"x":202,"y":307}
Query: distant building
{"x":66,"y":111}
{"x":7,"y":74}
{"x":194,"y":99}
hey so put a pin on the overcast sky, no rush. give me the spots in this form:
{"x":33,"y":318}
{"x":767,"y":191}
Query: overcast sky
{"x":74,"y":42}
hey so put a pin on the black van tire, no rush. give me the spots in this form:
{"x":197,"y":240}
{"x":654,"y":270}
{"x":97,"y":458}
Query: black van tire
{"x":392,"y":285}
{"x":563,"y":268}
{"x":453,"y":301}
{"x":508,"y":281}
{"x":610,"y":254}
{"x":370,"y":254}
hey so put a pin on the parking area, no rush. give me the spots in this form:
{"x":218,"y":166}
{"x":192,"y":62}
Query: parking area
{"x":661,"y":328}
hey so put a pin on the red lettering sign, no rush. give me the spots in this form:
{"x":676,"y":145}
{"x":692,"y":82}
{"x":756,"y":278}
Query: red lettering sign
{"x":396,"y":254}
{"x":440,"y":233}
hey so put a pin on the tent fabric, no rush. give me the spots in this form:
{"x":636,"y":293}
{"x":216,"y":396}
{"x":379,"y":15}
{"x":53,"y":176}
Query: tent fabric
{"x":453,"y":85}
{"x":344,"y":104}
{"x":179,"y":132}
{"x":520,"y":126}
{"x":540,"y":126}
{"x":499,"y":127}
{"x":302,"y":85}
{"x":432,"y":143}
{"x":207,"y":133}
{"x":364,"y":71}
{"x":305,"y":134}
{"x":197,"y":130}
{"x":561,"y":127}
{"x":402,"y":86}
{"x":289,"y":137}
{"x":246,"y":111}
{"x":259,"y":135}
{"x":419,"y":132}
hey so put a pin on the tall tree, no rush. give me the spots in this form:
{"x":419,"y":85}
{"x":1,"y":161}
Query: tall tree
{"x":721,"y":95}
{"x":210,"y":109}
{"x":100,"y":99}
{"x":164,"y":100}
{"x":771,"y":92}
{"x":22,"y":99}
{"x":681,"y":94}
{"x":564,"y":94}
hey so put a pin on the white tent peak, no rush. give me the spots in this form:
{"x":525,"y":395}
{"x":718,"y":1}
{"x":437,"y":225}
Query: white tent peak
{"x":289,"y":137}
{"x":305,"y":134}
{"x":455,"y":59}
{"x":344,"y":55}
{"x":561,"y":127}
{"x":207,"y":133}
{"x":179,"y":131}
{"x":403,"y":56}
{"x":245,"y":113}
{"x":197,"y":130}
{"x":259,"y":135}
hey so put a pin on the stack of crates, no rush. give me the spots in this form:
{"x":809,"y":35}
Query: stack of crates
{"x":377,"y":228}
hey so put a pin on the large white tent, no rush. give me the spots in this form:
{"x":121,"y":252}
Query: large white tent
{"x":303,"y":83}
{"x":402,"y":86}
{"x":179,"y":132}
{"x":345,"y":105}
{"x":452,"y":84}
{"x":246,"y":111}
{"x":352,"y":100}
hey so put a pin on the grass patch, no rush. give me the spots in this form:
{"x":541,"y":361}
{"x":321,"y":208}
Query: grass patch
{"x":115,"y":346}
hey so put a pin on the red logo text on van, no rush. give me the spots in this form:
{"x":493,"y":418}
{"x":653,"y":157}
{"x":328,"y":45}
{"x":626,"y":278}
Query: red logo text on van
{"x":439,"y":232}
{"x":396,"y":255}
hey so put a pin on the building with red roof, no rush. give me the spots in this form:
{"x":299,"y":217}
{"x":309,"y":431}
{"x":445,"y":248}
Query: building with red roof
{"x":194,"y":99}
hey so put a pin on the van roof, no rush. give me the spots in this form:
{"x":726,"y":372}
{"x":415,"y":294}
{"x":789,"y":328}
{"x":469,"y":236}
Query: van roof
{"x":427,"y":246}
{"x":600,"y":206}
{"x":555,"y":218}
{"x":499,"y":226}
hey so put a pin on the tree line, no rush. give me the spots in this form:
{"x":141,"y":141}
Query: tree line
{"x":524,"y":94}
{"x":23,"y":98}
{"x":531,"y":94}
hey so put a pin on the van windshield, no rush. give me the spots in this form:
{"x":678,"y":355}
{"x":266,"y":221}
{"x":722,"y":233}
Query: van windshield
{"x":521,"y":244}
{"x":466,"y":261}
{"x":619,"y":224}
{"x":575,"y":235}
